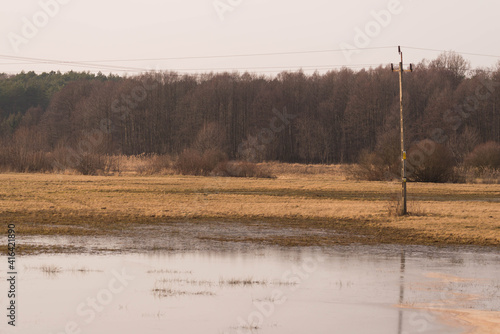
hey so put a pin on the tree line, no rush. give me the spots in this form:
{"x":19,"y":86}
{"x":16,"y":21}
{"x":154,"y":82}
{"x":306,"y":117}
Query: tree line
{"x":292,"y":117}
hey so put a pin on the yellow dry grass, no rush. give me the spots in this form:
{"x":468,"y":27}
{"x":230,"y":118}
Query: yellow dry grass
{"x":319,"y":196}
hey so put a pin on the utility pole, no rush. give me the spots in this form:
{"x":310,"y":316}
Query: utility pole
{"x":403,"y":152}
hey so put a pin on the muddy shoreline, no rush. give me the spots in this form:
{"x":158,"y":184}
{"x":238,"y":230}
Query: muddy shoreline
{"x":153,"y":234}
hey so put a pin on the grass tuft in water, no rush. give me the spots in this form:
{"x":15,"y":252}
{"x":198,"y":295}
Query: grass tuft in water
{"x":168,"y":292}
{"x":50,"y":269}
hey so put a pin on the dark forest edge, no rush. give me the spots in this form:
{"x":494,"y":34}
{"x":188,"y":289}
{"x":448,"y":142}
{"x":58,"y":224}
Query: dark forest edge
{"x":222,"y":124}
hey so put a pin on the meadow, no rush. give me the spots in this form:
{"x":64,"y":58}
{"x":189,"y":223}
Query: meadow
{"x":303,"y":198}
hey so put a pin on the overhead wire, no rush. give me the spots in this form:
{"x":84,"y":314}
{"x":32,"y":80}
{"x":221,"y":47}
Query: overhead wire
{"x":458,"y":52}
{"x":99,"y":63}
{"x":238,"y":55}
{"x":104,"y":64}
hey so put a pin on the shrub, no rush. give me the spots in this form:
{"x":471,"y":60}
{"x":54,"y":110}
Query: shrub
{"x":240,"y":169}
{"x":193,"y":162}
{"x":149,"y":164}
{"x":32,"y":161}
{"x":429,"y":161}
{"x":485,"y":155}
{"x":91,"y":164}
{"x":113,"y":164}
{"x":373,"y":167}
{"x":24,"y":152}
{"x":67,"y":159}
{"x":24,"y":160}
{"x":479,"y":175}
{"x":188,"y":162}
{"x":383,"y":163}
{"x":215,"y":163}
{"x":211,"y":159}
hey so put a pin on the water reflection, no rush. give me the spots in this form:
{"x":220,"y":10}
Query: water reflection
{"x":401,"y":290}
{"x":270,"y":290}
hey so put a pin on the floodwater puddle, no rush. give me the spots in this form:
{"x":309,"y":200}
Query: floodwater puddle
{"x":357,"y":289}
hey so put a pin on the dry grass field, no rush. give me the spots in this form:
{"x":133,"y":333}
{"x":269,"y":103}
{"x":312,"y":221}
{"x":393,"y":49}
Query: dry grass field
{"x":308,"y":198}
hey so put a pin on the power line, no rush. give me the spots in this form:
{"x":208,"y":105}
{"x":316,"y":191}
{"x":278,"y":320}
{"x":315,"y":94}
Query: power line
{"x":459,"y":52}
{"x":245,"y":67}
{"x":87,"y":62}
{"x":98,"y":64}
{"x":73,"y":63}
{"x":91,"y":64}
{"x":235,"y":55}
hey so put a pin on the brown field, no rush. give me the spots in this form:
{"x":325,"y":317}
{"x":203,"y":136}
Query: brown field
{"x":304,"y":198}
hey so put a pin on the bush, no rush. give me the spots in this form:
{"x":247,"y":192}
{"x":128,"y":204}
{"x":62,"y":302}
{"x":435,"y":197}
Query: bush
{"x":113,"y":165}
{"x":67,"y":159}
{"x":429,"y":161}
{"x":149,"y":164}
{"x":24,"y":152}
{"x":240,"y":169}
{"x":91,"y":164}
{"x":193,"y":162}
{"x":383,"y":163}
{"x":373,"y":167}
{"x":484,"y":156}
{"x":214,"y":163}
{"x":25,"y":161}
{"x":479,"y":175}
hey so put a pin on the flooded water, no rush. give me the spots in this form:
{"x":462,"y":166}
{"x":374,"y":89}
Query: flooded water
{"x":385,"y":289}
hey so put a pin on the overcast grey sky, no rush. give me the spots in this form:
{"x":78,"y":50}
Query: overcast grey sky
{"x":147,"y":30}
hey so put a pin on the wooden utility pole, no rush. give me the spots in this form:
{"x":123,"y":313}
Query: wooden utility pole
{"x":403,"y":152}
